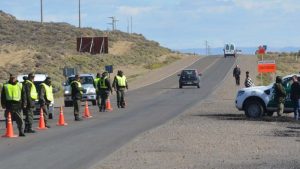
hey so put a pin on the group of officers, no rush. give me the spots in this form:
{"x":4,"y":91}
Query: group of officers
{"x":16,"y":96}
{"x":103,"y":89}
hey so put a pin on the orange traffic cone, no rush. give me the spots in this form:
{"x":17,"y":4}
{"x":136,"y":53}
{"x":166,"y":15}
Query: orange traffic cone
{"x":42,"y":125}
{"x":9,"y":128}
{"x":87,"y":113}
{"x":108,"y":105}
{"x":61,"y":119}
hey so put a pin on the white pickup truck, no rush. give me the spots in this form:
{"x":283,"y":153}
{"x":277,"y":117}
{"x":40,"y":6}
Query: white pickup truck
{"x":259,"y":100}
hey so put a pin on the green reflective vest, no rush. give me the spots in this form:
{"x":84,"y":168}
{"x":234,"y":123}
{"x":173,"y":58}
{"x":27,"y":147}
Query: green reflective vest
{"x":49,"y":92}
{"x":96,"y":81}
{"x":121,"y":81}
{"x":13,"y":92}
{"x":33,"y":91}
{"x":102,"y":83}
{"x":78,"y":84}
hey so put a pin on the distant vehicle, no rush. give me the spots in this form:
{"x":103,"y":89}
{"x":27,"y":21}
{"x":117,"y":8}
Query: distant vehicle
{"x":229,"y":50}
{"x":189,"y":77}
{"x":259,"y":100}
{"x":87,"y":81}
{"x":38,"y":79}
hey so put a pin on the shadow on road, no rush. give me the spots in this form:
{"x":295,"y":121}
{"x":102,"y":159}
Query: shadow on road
{"x":240,"y":117}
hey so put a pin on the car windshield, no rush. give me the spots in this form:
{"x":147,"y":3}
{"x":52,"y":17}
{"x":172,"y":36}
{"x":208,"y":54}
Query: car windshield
{"x":188,"y":74}
{"x":83,"y":79}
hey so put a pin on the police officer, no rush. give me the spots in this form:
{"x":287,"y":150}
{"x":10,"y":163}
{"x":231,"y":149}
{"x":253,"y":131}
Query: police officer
{"x":76,"y":91}
{"x":279,"y":95}
{"x":45,"y":98}
{"x":119,"y":84}
{"x":11,"y":100}
{"x":104,"y":88}
{"x":31,"y":98}
{"x":96,"y":81}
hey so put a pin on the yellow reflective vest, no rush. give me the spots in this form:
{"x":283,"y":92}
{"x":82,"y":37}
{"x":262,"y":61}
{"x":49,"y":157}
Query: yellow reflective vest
{"x":102,"y":83}
{"x":13,"y":92}
{"x":33,"y":91}
{"x":49,"y":92}
{"x":78,"y":84}
{"x":96,"y":81}
{"x":121,"y":81}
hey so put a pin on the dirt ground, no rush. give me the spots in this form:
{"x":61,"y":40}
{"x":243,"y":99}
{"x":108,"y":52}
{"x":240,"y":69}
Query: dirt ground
{"x":214,"y":135}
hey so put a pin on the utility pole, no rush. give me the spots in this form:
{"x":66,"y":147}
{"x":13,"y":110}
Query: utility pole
{"x":131,"y":24}
{"x":41,"y":11}
{"x":113,"y":23}
{"x":206,"y":47}
{"x":79,"y":15}
{"x":127,"y":25}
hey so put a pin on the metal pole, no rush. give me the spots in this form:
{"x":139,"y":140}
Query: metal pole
{"x":41,"y":11}
{"x":79,"y":15}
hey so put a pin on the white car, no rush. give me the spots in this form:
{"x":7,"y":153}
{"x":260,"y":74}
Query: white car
{"x":229,"y":50}
{"x":89,"y":94}
{"x":259,"y":100}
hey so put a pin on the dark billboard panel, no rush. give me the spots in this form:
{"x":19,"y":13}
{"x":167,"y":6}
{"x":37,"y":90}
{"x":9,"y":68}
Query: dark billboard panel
{"x":93,"y":45}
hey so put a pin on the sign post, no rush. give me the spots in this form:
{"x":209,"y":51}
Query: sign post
{"x":266,"y":66}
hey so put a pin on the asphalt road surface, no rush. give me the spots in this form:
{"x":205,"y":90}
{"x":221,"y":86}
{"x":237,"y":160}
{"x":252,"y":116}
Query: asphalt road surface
{"x":81,"y":145}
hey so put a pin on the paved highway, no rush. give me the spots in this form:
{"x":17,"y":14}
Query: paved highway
{"x":81,"y":145}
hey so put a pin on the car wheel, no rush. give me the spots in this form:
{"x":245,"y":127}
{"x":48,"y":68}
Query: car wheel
{"x":198,"y":86}
{"x":180,"y":86}
{"x":94,"y":102}
{"x":68,"y":104}
{"x":270,"y":113}
{"x":254,"y":109}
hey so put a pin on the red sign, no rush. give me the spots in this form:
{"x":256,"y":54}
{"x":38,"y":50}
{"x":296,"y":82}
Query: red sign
{"x":261,"y":50}
{"x":267,"y":66}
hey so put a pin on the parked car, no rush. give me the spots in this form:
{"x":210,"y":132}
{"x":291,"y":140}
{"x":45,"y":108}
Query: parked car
{"x":189,"y":77}
{"x":38,"y":79}
{"x":89,"y":94}
{"x":259,"y":100}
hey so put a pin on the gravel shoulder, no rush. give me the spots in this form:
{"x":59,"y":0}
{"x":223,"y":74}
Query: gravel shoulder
{"x":213,"y":134}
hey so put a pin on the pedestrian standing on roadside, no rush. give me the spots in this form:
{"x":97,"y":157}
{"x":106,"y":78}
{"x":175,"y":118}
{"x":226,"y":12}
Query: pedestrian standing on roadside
{"x":11,"y":100}
{"x":295,"y":96}
{"x":31,"y":98}
{"x":279,"y":95}
{"x":120,"y":84}
{"x":76,"y":92}
{"x":46,"y":98}
{"x":248,"y":81}
{"x":236,"y":74}
{"x":104,"y":88}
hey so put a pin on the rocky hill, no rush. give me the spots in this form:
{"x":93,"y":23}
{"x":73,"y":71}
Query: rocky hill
{"x":27,"y":46}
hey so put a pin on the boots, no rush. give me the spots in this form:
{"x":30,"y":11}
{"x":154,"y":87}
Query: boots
{"x":77,"y":118}
{"x":29,"y":129}
{"x":21,"y":132}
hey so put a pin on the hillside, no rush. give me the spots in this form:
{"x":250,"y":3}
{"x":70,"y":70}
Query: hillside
{"x":27,"y":46}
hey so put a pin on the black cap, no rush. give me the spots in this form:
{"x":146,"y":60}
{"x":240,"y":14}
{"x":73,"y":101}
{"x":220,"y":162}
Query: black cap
{"x":48,"y":78}
{"x":247,"y":72}
{"x":11,"y":75}
{"x":31,"y":75}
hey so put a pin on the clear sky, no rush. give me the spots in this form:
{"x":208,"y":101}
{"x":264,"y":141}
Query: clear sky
{"x":179,"y":24}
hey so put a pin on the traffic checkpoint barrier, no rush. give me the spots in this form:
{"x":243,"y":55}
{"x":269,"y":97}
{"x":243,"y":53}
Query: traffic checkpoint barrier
{"x":87,"y":113}
{"x":42,"y":125}
{"x":9,"y":128}
{"x":61,"y":119}
{"x":108,"y":105}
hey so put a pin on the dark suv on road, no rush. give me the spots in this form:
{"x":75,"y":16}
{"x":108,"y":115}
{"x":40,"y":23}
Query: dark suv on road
{"x":189,"y":77}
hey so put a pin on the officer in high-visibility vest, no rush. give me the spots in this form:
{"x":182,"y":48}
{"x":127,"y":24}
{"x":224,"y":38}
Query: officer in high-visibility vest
{"x":46,"y":98}
{"x":120,"y":84}
{"x":11,"y":100}
{"x":31,"y":98}
{"x":76,"y":92}
{"x":96,"y":80}
{"x":104,"y":88}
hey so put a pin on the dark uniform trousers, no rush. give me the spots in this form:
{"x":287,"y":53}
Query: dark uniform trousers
{"x":77,"y":104}
{"x":120,"y":97}
{"x":104,"y":96}
{"x":28,"y":117}
{"x":16,"y":115}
